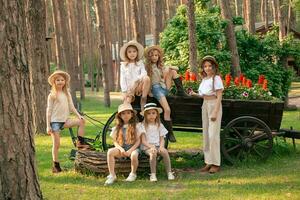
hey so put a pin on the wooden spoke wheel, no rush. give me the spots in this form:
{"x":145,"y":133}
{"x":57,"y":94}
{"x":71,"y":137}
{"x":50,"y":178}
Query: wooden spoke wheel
{"x":107,"y":141}
{"x":246,"y":138}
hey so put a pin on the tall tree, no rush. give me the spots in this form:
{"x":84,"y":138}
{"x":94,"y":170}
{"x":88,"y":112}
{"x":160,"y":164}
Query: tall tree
{"x":157,"y":20}
{"x":102,"y":15}
{"x":230,"y":38}
{"x":237,"y":10}
{"x":18,"y":171}
{"x":275,"y":9}
{"x":192,"y":36}
{"x":249,"y":15}
{"x":38,"y":61}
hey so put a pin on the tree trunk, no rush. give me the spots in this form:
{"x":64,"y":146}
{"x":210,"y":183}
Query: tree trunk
{"x":135,"y":20}
{"x":38,"y":62}
{"x":237,"y":10}
{"x":249,"y":15}
{"x":19,"y":176}
{"x":104,"y":46}
{"x":89,"y":38}
{"x":262,"y":10}
{"x":157,"y":20}
{"x":275,"y":11}
{"x":230,"y":38}
{"x":81,"y":39}
{"x":192,"y":37}
{"x":282,"y":31}
{"x":142,"y":29}
{"x":266,"y":13}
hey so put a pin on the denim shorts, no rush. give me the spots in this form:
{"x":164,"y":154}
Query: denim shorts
{"x":159,"y":92}
{"x":57,"y":126}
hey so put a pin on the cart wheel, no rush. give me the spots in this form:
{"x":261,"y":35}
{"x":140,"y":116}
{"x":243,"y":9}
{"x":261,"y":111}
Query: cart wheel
{"x":246,"y":138}
{"x":106,"y":144}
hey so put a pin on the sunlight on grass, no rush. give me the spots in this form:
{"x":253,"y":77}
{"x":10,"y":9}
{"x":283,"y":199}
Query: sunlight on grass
{"x":276,"y":178}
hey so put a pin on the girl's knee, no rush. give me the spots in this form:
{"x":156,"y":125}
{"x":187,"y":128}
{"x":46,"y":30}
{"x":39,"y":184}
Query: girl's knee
{"x":146,"y":79}
{"x":134,"y":155}
{"x":153,"y":156}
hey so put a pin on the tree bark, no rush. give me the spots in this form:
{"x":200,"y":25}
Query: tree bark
{"x":104,"y":47}
{"x":281,"y":23}
{"x":266,"y":13}
{"x":38,"y":61}
{"x":157,"y":20}
{"x":192,"y":37}
{"x":230,"y":38}
{"x":275,"y":11}
{"x":19,"y":176}
{"x":249,"y":15}
{"x":237,"y":10}
{"x":142,"y":29}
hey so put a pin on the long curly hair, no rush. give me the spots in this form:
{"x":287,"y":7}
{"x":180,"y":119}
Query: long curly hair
{"x":149,"y":64}
{"x":130,"y":131}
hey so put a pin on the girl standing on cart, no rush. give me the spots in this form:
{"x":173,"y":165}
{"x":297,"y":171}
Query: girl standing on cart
{"x":126,"y":137}
{"x":210,"y":89}
{"x":133,"y":76}
{"x":161,"y":82}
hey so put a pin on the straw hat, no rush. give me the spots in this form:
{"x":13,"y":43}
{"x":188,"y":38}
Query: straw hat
{"x":154,"y":47}
{"x":61,"y":73}
{"x":139,"y":47}
{"x":125,"y":106}
{"x":209,"y":58}
{"x":151,"y":106}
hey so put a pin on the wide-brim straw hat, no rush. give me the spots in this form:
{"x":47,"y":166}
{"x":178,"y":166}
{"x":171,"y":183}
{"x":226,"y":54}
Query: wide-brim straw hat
{"x":154,"y":47}
{"x":151,"y":106}
{"x":51,"y":78}
{"x":139,"y":47}
{"x":209,"y":58}
{"x":125,"y":106}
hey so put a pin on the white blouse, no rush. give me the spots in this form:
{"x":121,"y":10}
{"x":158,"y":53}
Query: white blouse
{"x":206,"y":86}
{"x":130,"y":73}
{"x":154,"y":132}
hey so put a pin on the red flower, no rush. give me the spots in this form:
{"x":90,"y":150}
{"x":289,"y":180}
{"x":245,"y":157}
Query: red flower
{"x":180,"y":77}
{"x":237,"y":81}
{"x":265,"y":84}
{"x":249,"y":83}
{"x":241,"y":77}
{"x":261,"y":79}
{"x":227,"y":80}
{"x":193,"y":77}
{"x":244,"y":83}
{"x":187,"y":75}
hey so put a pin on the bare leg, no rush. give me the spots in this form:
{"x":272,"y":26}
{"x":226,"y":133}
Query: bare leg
{"x":55,"y":145}
{"x":152,"y":160}
{"x":76,"y":122}
{"x":169,"y":75}
{"x":134,"y":161}
{"x":164,"y":153}
{"x":111,"y":154}
{"x":167,"y":111}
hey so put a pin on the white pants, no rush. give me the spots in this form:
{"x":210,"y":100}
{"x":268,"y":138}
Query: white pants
{"x":211,"y":133}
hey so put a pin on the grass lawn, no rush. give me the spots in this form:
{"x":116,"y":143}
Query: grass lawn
{"x":276,"y":178}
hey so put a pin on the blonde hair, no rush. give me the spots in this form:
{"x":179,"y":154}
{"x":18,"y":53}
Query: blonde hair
{"x":65,"y":89}
{"x":157,"y":120}
{"x":149,"y":63}
{"x":126,"y":56}
{"x":130,"y":131}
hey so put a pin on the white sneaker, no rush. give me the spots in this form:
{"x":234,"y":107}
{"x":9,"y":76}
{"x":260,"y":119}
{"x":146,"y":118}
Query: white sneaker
{"x":110,"y":180}
{"x":171,"y":176}
{"x":131,"y":177}
{"x":153,"y":177}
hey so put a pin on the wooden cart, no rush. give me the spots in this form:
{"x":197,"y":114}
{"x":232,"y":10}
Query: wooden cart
{"x":247,"y":129}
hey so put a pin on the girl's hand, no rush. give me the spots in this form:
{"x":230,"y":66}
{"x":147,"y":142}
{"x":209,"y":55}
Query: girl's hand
{"x":80,"y":117}
{"x":127,"y":153}
{"x":213,"y":117}
{"x":153,"y":150}
{"x":49,"y":130}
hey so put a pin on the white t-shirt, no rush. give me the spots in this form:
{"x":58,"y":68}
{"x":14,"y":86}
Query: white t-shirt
{"x":154,"y":132}
{"x":206,"y":86}
{"x":131,"y":72}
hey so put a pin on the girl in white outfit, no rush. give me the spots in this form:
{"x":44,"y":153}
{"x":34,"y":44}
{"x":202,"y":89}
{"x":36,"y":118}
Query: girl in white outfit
{"x":153,"y":139}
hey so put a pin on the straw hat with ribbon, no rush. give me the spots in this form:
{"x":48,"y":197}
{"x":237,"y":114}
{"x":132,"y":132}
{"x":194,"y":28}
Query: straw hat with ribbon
{"x":151,"y":106}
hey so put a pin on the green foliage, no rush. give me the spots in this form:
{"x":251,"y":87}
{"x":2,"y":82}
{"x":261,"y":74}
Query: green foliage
{"x":258,"y":54}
